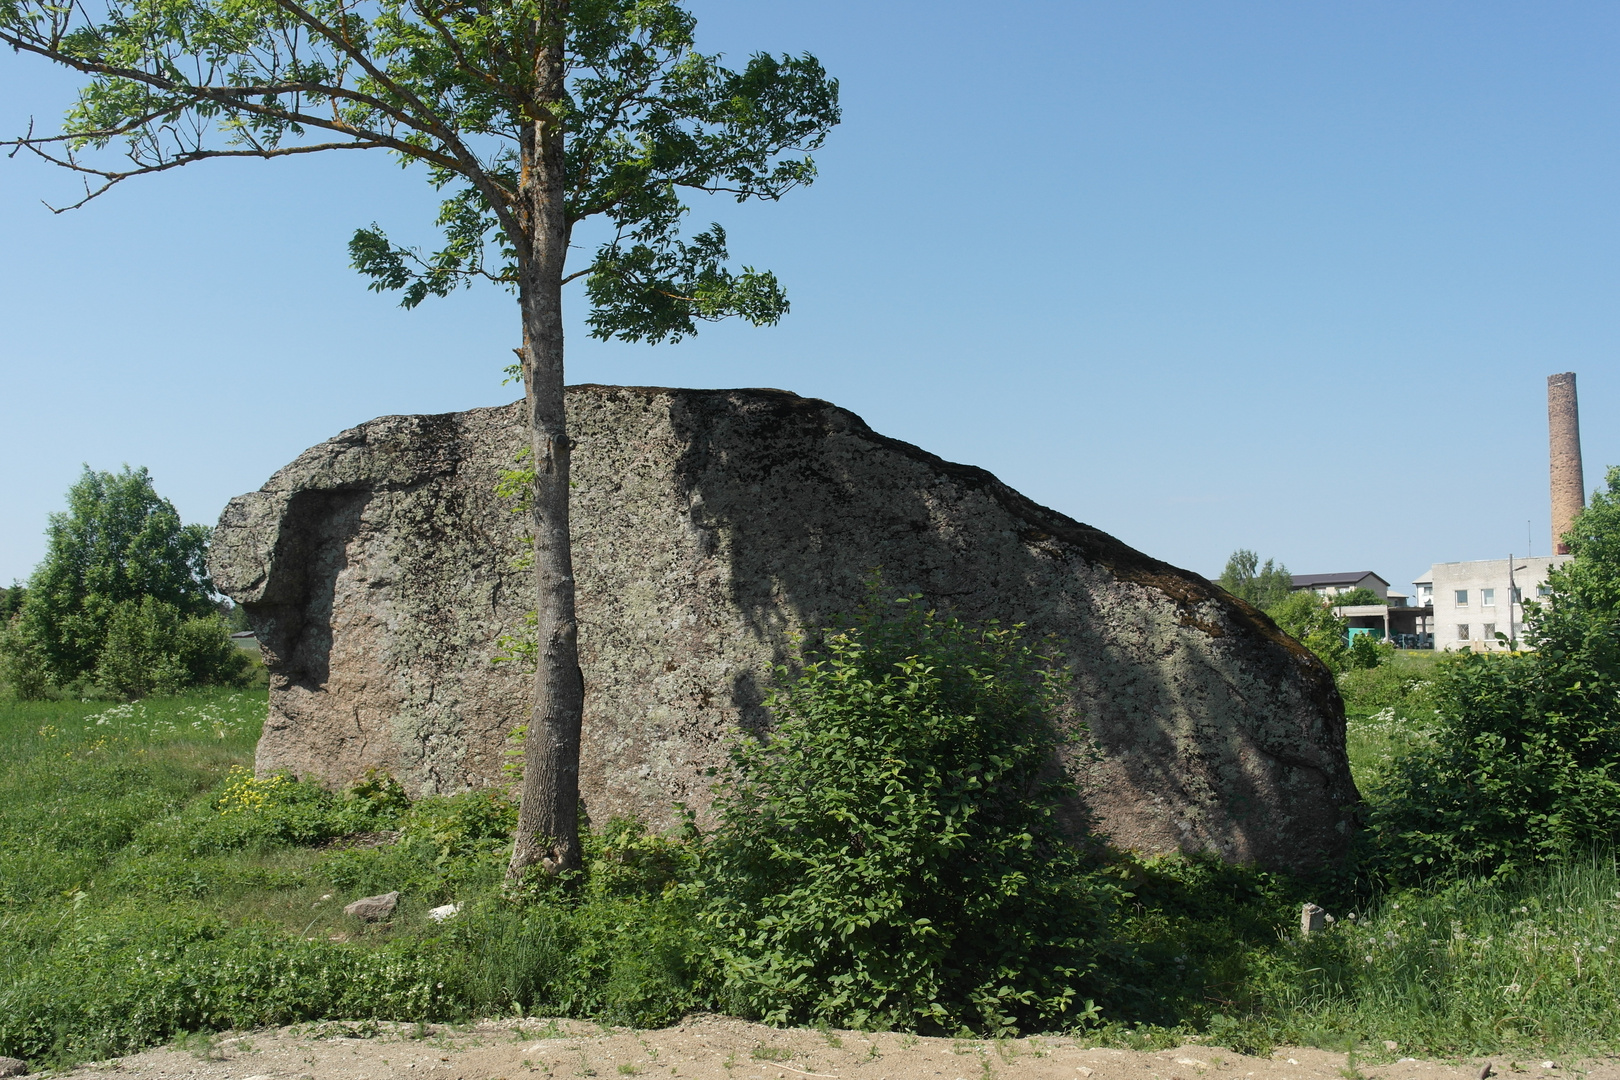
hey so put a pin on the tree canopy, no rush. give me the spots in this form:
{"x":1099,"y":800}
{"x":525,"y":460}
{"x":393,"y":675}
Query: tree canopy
{"x":117,"y":541}
{"x":1309,"y":619}
{"x":634,"y":114}
{"x":1245,"y":578}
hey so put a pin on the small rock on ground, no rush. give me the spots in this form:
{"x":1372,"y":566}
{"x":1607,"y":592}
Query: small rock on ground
{"x":372,"y":908}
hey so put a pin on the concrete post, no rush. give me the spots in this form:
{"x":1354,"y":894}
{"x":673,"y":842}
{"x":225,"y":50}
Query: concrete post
{"x":1564,"y":451}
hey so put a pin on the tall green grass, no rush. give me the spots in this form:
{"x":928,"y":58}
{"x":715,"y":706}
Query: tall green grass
{"x":1476,"y":966}
{"x":145,"y":891}
{"x":148,"y":886}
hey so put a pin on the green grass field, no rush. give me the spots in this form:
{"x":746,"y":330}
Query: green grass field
{"x":1387,"y":709}
{"x":148,"y":886}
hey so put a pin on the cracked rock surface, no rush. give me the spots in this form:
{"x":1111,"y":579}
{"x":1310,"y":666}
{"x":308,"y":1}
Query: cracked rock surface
{"x":379,"y":571}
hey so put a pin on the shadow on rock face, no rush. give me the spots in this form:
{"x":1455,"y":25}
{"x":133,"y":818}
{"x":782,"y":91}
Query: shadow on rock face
{"x":1213,"y":729}
{"x":709,"y":527}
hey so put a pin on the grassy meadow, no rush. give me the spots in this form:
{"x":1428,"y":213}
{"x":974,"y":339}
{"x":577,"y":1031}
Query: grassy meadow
{"x":150,"y":886}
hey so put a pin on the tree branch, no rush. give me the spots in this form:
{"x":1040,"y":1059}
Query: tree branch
{"x":521,"y":101}
{"x":186,"y":158}
{"x":464,"y":162}
{"x":219,"y":94}
{"x":430,"y":124}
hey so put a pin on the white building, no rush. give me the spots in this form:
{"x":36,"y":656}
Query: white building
{"x":1475,"y":601}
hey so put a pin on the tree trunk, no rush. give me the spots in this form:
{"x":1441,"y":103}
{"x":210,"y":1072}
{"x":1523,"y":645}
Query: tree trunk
{"x":548,"y":815}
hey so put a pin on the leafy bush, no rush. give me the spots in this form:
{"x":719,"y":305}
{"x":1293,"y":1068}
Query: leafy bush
{"x":23,"y":670}
{"x":445,"y":843}
{"x":1309,"y":620}
{"x":279,"y":810}
{"x":1524,"y":767}
{"x":1366,"y":652}
{"x":152,"y":649}
{"x":118,"y":541}
{"x":888,"y":857}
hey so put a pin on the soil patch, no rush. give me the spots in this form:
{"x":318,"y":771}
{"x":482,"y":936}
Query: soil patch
{"x":720,"y":1048}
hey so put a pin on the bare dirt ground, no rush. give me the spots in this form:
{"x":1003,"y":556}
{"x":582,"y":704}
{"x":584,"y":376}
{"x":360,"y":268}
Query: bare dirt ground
{"x":719,"y":1048}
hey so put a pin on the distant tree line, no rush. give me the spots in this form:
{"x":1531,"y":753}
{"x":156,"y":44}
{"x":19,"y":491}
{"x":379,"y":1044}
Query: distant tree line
{"x":121,"y":604}
{"x":1302,"y":614}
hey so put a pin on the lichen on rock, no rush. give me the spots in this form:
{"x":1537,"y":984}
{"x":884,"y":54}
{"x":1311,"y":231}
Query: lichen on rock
{"x":379,"y":570}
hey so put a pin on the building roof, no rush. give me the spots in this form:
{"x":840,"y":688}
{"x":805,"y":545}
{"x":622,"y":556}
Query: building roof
{"x":1311,"y":581}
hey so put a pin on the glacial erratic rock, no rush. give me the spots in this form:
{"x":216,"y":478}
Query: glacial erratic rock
{"x":378,"y":570}
{"x":373,"y":908}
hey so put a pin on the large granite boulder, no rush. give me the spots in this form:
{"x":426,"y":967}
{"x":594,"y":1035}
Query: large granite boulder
{"x":380,"y":572}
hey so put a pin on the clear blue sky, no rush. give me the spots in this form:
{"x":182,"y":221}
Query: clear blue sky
{"x":1280,"y":276}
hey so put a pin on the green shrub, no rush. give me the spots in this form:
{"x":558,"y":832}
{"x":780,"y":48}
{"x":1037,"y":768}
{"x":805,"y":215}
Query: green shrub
{"x":888,"y":857}
{"x":117,"y":541}
{"x":1309,"y":620}
{"x":446,"y":843}
{"x":1524,"y":766}
{"x":152,"y":649}
{"x":1523,"y":769}
{"x":1366,"y":652}
{"x":23,"y":668}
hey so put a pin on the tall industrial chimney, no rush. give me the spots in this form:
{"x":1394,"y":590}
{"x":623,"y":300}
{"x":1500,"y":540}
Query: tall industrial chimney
{"x":1564,"y":435}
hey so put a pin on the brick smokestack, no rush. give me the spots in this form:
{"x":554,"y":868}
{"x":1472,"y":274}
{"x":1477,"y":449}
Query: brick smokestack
{"x":1564,"y":433}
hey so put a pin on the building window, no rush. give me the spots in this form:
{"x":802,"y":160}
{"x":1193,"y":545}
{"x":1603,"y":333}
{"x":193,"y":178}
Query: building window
{"x":1515,"y":595}
{"x":1543,"y":590}
{"x":1487,"y":598}
{"x":1462,"y":597}
{"x":1488,"y":631}
{"x":1462,"y":632}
